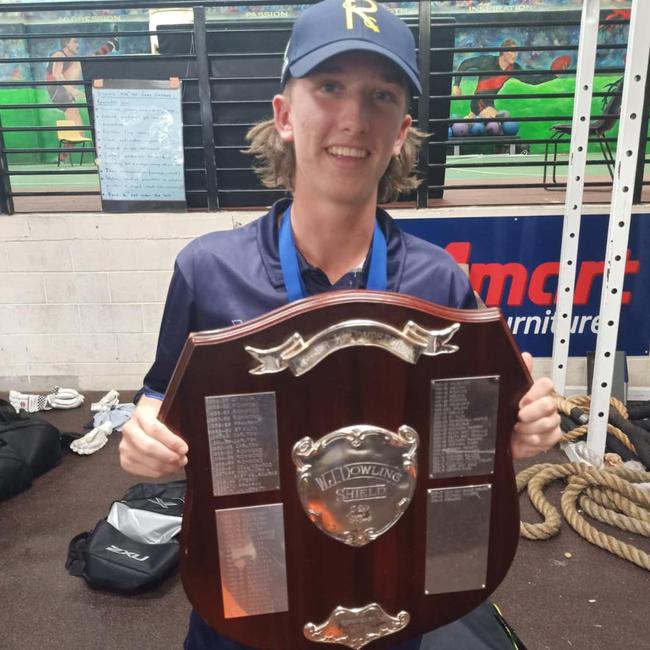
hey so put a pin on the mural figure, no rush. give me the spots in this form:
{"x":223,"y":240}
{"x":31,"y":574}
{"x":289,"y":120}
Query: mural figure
{"x":60,"y":69}
{"x":493,"y":72}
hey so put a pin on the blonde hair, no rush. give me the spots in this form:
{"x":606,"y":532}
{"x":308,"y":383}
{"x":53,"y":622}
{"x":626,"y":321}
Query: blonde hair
{"x":276,"y":161}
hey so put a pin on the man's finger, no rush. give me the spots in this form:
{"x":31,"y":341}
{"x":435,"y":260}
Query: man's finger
{"x":148,"y":448}
{"x":527,"y":443}
{"x":164,"y":435}
{"x":541,"y":388}
{"x":539,"y":408}
{"x":149,"y":425}
{"x":137,"y":449}
{"x":542,"y":426}
{"x":528,"y":360}
{"x":140,"y":468}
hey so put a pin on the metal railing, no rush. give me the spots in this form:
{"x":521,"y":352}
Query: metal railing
{"x":230,"y":69}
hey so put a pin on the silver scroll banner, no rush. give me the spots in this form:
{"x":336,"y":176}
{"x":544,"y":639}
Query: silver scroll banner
{"x":356,"y":627}
{"x":300,"y":356}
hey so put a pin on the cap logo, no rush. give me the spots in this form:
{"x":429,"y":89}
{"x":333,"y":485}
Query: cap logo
{"x":351,"y":9}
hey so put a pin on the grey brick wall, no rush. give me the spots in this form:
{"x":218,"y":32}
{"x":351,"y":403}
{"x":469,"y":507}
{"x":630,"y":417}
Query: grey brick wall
{"x":81,"y":295}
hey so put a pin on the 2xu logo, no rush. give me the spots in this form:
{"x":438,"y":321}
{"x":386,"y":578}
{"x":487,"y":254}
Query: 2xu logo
{"x":130,"y":554}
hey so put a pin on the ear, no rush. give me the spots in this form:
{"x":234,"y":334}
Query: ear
{"x":401,"y":137}
{"x":282,"y":117}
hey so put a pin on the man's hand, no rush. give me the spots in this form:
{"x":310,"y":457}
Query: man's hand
{"x":538,"y":425}
{"x":148,"y":447}
{"x":455,"y":91}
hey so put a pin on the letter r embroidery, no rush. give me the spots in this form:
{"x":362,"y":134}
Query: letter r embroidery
{"x":351,"y":8}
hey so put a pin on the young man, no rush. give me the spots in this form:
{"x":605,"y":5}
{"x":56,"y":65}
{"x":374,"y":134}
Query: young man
{"x":341,"y":140}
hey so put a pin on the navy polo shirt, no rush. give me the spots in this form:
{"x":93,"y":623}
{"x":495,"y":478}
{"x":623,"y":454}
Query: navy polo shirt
{"x":228,"y":277}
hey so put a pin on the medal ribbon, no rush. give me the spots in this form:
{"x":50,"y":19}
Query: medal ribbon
{"x":377,"y":273}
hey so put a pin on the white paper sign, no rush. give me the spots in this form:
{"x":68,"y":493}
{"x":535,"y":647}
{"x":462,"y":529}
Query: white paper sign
{"x":139,"y":140}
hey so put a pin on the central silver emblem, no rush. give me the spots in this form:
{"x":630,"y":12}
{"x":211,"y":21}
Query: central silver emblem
{"x":356,"y":482}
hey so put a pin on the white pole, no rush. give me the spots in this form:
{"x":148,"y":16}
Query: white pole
{"x":586,"y":65}
{"x":636,"y":70}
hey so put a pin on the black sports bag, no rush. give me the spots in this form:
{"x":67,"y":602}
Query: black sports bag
{"x":163,"y":498}
{"x":107,"y":559}
{"x":29,"y":447}
{"x":15,"y":475}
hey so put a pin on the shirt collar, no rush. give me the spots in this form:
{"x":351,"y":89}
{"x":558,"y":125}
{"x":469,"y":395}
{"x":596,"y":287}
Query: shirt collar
{"x":316,"y":281}
{"x":267,"y":241}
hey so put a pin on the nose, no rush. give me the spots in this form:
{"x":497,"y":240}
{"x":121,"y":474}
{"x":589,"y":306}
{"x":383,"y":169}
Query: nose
{"x":355,"y":114}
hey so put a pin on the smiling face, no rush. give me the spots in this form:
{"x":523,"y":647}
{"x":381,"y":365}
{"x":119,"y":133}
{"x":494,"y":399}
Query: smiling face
{"x":345,"y":121}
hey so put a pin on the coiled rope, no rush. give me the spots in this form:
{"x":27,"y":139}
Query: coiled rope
{"x":583,"y":402}
{"x":608,"y":495}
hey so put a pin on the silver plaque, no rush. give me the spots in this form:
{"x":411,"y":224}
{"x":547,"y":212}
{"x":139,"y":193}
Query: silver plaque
{"x":252,"y":560}
{"x":243,"y":435}
{"x":458,"y":536}
{"x":356,"y":482}
{"x":355,"y":627}
{"x":463,"y":426}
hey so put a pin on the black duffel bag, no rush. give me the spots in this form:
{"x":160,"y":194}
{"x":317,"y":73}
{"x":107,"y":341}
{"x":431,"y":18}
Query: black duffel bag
{"x":118,"y":554}
{"x":107,"y":559}
{"x":29,"y":447}
{"x":15,"y":475}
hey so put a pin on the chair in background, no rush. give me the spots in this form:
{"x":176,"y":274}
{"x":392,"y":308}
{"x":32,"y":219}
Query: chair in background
{"x":71,"y":138}
{"x":597,"y":128}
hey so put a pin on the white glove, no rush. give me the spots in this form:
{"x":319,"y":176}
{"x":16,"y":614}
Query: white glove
{"x":27,"y":402}
{"x":92,"y":441}
{"x":105,"y":403}
{"x":65,"y":398}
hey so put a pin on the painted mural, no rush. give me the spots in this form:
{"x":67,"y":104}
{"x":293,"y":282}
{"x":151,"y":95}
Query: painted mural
{"x":522,"y":77}
{"x":526,"y":77}
{"x":54,"y":66}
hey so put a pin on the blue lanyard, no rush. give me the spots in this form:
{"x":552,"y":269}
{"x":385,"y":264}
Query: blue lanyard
{"x":377,"y":273}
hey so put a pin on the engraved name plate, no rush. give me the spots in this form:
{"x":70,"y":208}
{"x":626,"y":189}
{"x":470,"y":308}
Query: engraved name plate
{"x":463,"y":426}
{"x":243,"y":435}
{"x":252,"y":560}
{"x":458,"y":535}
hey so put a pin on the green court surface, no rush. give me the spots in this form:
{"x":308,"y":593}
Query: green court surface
{"x":530,"y":173}
{"x":42,"y":180}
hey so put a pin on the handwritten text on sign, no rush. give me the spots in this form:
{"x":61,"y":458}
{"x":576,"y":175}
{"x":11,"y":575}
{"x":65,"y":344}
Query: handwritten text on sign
{"x":139,"y":144}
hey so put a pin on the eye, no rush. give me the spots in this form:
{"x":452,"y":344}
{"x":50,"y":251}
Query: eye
{"x":384,"y":95}
{"x":329,"y":87}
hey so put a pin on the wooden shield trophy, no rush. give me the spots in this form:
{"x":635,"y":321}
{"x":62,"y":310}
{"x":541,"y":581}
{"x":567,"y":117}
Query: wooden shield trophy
{"x":350,"y":479}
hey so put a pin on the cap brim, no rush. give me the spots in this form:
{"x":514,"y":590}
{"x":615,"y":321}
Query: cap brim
{"x":307,"y":63}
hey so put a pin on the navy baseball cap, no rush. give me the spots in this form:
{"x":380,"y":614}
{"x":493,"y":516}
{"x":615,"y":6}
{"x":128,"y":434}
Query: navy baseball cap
{"x":335,"y":26}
